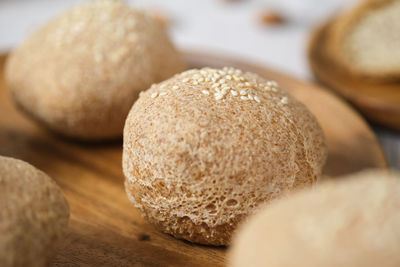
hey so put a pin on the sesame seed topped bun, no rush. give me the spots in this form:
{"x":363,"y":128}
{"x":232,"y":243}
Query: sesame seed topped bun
{"x":205,"y":148}
{"x":80,"y":73}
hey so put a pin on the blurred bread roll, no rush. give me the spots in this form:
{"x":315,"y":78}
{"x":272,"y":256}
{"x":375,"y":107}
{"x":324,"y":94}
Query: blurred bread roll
{"x":365,"y":39}
{"x":350,"y":221}
{"x":80,"y":73}
{"x":203,"y":149}
{"x":33,"y":215}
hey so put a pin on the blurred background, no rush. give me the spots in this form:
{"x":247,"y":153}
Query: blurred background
{"x":273,"y":33}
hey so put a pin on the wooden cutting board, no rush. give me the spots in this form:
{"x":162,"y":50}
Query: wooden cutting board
{"x":379,"y":102}
{"x":105,"y":229}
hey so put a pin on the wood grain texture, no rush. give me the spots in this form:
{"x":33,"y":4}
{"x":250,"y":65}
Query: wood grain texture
{"x":105,"y":229}
{"x":379,"y":102}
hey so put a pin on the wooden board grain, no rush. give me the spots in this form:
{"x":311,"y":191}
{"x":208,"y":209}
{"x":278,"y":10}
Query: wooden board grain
{"x":379,"y":102}
{"x":104,"y":229}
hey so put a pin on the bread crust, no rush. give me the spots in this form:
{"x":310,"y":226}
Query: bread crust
{"x":346,"y":221}
{"x":199,"y":158}
{"x":342,"y":27}
{"x":80,"y":73}
{"x":33,"y":215}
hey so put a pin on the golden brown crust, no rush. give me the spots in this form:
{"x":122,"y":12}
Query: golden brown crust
{"x":203,"y":149}
{"x":352,"y":221}
{"x":33,"y":214}
{"x":343,"y":52}
{"x":80,"y":73}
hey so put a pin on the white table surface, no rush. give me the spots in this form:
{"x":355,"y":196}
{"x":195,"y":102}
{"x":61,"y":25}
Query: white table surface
{"x":219,"y":26}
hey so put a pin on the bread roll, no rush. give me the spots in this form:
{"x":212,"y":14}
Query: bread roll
{"x":365,"y":40}
{"x":354,"y":221}
{"x":205,"y":148}
{"x":80,"y":73}
{"x":33,"y":215}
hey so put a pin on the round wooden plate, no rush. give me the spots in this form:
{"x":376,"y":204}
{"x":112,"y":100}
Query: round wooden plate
{"x":105,"y":229}
{"x":379,"y":102}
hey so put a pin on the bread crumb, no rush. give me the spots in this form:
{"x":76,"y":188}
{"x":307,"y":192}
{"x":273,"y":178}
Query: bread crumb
{"x":269,"y":17}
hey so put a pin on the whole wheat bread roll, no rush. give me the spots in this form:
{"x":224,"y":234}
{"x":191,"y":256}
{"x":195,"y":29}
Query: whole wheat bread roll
{"x":349,"y":221}
{"x":33,"y":215}
{"x":205,"y":148}
{"x":365,"y":39}
{"x":80,"y":73}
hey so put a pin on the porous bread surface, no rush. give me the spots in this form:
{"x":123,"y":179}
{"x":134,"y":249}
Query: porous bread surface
{"x":203,"y":149}
{"x":354,"y":221}
{"x":33,"y":214}
{"x":367,"y":39}
{"x":80,"y":73}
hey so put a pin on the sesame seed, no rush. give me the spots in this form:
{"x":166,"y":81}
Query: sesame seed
{"x":98,"y":57}
{"x":208,"y":79}
{"x":250,"y":96}
{"x":119,"y":32}
{"x":201,"y":79}
{"x":248,"y":84}
{"x":274,"y":89}
{"x":174,"y":87}
{"x":267,"y":88}
{"x":205,"y":92}
{"x":203,"y":72}
{"x":185,"y":80}
{"x":118,"y":54}
{"x":272,"y":84}
{"x":284,"y":100}
{"x":242,"y":79}
{"x":132,"y":37}
{"x":257,"y":99}
{"x":243,"y":92}
{"x":234,"y":93}
{"x":188,"y":72}
{"x":244,"y":97}
{"x":226,"y":88}
{"x":222,"y":81}
{"x":228,"y":77}
{"x":195,"y":82}
{"x":154,"y":95}
{"x":163,"y":93}
{"x":218,"y":96}
{"x":130,"y":22}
